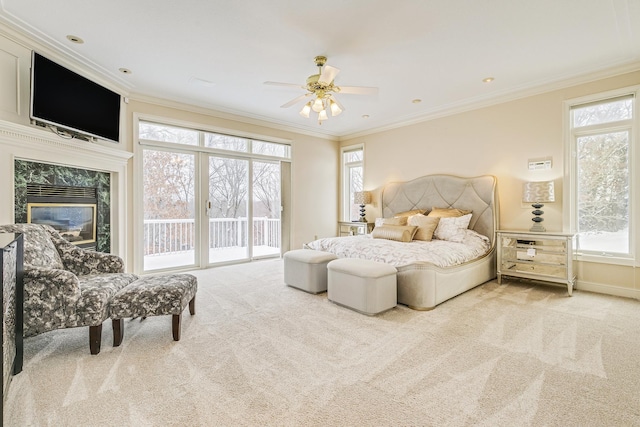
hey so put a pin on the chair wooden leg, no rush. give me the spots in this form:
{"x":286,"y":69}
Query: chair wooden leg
{"x":192,"y":306}
{"x":176,"y":326}
{"x":118,"y":331}
{"x":95,"y":338}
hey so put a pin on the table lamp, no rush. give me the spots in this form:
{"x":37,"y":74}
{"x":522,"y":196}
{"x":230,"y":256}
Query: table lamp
{"x":362,"y":198}
{"x":538,"y":193}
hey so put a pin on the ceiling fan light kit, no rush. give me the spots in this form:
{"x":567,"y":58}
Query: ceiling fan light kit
{"x":321,"y":87}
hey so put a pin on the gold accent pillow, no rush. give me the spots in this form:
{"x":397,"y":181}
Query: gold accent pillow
{"x":426,"y":226}
{"x":399,"y":233}
{"x":402,"y":220}
{"x":448,"y":212}
{"x":410,"y":213}
{"x":391,"y":221}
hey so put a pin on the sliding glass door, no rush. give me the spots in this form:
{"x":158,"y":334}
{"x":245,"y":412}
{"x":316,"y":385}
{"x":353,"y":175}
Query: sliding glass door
{"x":210,"y":198}
{"x":228,"y":210}
{"x":243,"y":209}
{"x":169,"y":209}
{"x":266,"y":208}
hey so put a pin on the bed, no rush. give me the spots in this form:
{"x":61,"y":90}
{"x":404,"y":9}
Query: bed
{"x":424,"y":282}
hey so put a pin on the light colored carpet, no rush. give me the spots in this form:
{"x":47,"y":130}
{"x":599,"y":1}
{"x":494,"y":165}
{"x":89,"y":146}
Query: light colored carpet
{"x":260,"y":353}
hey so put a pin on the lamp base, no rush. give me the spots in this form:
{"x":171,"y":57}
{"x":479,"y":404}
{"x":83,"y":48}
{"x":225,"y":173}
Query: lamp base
{"x":537,"y":219}
{"x":362,"y":217}
{"x":537,"y":227}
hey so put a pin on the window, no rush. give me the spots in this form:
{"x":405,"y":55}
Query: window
{"x":164,"y":133}
{"x":218,"y":141}
{"x":601,"y":171}
{"x":352,"y":180}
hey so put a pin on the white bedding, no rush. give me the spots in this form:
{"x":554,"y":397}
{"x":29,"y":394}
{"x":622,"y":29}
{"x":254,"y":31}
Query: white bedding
{"x":438,"y":252}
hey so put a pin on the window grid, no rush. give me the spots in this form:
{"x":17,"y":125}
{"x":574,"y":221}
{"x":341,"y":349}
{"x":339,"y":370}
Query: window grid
{"x":158,"y":132}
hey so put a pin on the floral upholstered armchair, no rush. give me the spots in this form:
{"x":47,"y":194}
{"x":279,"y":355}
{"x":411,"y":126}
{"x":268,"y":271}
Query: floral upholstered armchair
{"x":66,"y":286}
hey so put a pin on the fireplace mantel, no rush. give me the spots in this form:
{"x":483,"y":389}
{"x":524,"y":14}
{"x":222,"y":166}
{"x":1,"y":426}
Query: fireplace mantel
{"x":42,"y":139}
{"x":41,"y":145}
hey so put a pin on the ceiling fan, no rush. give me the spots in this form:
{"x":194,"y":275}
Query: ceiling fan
{"x":321,"y":87}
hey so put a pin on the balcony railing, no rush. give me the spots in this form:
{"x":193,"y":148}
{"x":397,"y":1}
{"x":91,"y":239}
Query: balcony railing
{"x":168,"y":236}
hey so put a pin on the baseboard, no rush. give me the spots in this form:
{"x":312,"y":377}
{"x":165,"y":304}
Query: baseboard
{"x":607,"y":289}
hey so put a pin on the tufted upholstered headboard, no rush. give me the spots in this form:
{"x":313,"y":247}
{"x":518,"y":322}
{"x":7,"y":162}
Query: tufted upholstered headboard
{"x":443,"y":191}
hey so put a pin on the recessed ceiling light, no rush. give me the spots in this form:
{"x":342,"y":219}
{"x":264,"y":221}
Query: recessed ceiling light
{"x":488,"y":80}
{"x":417,"y":101}
{"x":125,"y":71}
{"x":365,"y":116}
{"x":75,"y":39}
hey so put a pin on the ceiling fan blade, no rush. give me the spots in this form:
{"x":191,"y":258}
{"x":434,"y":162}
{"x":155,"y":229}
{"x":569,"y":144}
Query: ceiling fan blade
{"x":328,"y":74}
{"x":283,"y":84}
{"x":295,"y":100}
{"x":358,"y":90}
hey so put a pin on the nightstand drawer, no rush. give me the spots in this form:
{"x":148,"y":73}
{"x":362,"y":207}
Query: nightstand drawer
{"x":354,"y":228}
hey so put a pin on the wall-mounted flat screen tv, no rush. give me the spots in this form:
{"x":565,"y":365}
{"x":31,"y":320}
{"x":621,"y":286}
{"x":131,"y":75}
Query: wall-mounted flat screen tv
{"x":70,"y":101}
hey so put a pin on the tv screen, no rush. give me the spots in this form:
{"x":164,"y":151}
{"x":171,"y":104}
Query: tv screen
{"x":63,"y":98}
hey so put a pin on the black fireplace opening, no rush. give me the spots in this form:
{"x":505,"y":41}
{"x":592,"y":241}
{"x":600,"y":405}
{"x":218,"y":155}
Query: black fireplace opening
{"x":72,"y":211}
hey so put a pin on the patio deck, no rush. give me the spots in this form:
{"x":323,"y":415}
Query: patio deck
{"x":219,"y":255}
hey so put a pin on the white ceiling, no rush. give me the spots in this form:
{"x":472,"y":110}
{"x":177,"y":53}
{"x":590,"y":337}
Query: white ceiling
{"x":436,"y":51}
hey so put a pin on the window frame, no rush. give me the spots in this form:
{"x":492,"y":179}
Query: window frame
{"x":203,"y":130}
{"x":570,"y":205}
{"x":345,"y":179}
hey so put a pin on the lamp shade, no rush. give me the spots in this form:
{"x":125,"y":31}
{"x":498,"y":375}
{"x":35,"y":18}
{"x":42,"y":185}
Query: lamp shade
{"x":335,"y":108}
{"x":362,"y":197}
{"x":538,"y":192}
{"x":318,"y":105}
{"x":306,"y":110}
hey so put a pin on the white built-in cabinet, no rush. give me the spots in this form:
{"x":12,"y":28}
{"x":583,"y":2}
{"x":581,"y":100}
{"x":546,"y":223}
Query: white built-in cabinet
{"x":15,"y":63}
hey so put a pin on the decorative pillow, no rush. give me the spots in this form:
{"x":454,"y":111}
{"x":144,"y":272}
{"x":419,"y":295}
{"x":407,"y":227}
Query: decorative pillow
{"x":410,"y":213}
{"x":453,"y":228}
{"x":426,"y":226}
{"x":391,"y":221}
{"x":400,"y":233}
{"x":448,"y":212}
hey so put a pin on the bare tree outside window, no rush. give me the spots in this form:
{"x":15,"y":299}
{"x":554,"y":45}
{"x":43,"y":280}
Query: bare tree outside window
{"x":168,"y":185}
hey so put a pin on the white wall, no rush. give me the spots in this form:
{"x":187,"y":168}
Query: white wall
{"x":497,"y":140}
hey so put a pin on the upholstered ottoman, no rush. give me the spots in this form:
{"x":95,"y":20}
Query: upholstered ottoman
{"x":306,"y":269}
{"x":368,"y":287}
{"x":159,"y":295}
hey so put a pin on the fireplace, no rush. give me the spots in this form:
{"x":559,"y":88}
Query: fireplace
{"x":70,"y":210}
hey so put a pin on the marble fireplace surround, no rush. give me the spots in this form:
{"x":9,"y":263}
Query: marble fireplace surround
{"x":42,"y":146}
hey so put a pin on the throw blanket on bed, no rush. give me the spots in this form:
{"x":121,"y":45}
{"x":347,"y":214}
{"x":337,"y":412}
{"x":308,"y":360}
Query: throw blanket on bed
{"x":439,"y":252}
